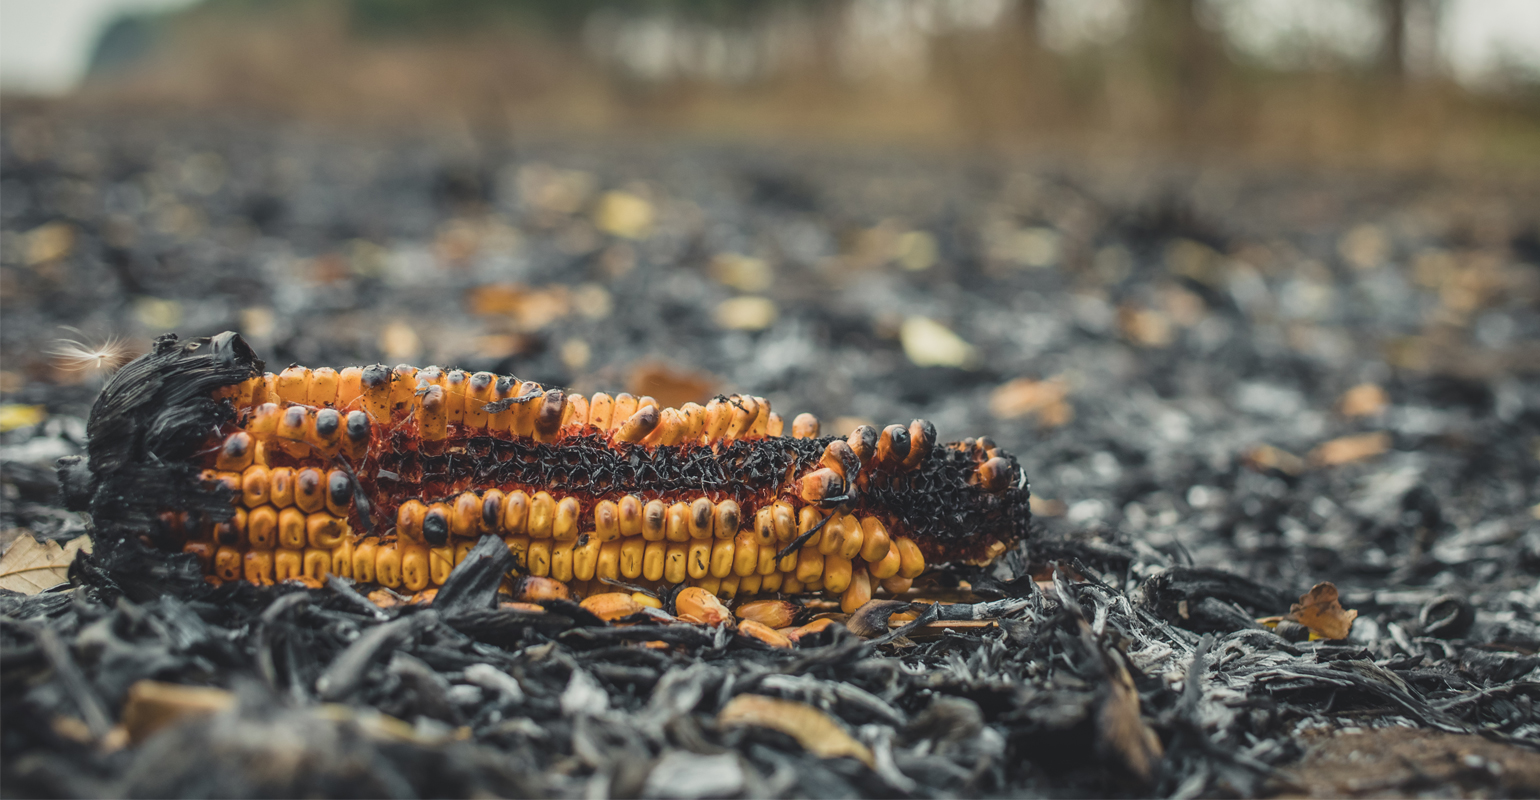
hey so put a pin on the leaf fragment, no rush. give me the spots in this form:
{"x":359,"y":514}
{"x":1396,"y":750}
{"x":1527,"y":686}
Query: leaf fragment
{"x":1319,"y":610}
{"x":31,"y":566}
{"x":816,"y":731}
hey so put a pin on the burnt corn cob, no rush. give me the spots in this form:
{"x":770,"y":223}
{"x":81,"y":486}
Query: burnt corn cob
{"x":390,"y":475}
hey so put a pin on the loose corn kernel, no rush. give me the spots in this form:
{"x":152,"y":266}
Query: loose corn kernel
{"x":516,"y":512}
{"x":564,"y":526}
{"x":533,"y":589}
{"x":764,"y":634}
{"x":646,"y":600}
{"x":611,"y":605}
{"x":697,"y":605}
{"x":774,"y":613}
{"x":796,"y":634}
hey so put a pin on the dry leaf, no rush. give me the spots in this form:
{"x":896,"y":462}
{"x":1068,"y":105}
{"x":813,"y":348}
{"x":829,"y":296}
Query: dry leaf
{"x":1122,"y":730}
{"x":1319,"y":611}
{"x":1265,"y":457}
{"x":1024,"y":396}
{"x":31,"y":566}
{"x":1347,"y":449}
{"x":814,"y":730}
{"x":152,"y":705}
{"x":1363,"y":400}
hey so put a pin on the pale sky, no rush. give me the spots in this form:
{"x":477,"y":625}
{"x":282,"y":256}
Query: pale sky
{"x":44,"y":44}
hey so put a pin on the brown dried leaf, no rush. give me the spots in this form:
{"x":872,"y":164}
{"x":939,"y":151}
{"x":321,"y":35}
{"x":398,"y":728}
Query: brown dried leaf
{"x":1122,"y":729}
{"x":153,"y":705}
{"x":31,"y":566}
{"x":1347,"y":449}
{"x":1024,"y":396}
{"x":1363,"y":400}
{"x":1319,"y":610}
{"x":816,"y":731}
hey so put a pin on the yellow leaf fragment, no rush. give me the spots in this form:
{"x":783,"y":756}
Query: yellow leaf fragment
{"x":31,"y":566}
{"x":1320,"y":611}
{"x":152,"y":705}
{"x":1347,"y":449}
{"x":816,"y":731}
{"x":16,"y":415}
{"x":928,"y":343}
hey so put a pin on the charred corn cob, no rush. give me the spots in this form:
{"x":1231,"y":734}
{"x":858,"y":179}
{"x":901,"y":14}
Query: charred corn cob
{"x":388,"y":476}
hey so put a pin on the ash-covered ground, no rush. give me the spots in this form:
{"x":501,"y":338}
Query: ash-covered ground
{"x":1226,"y":386}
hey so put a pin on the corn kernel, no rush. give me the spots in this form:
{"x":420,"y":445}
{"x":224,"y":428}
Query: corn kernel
{"x":387,"y":565}
{"x":585,"y":559}
{"x":416,"y":569}
{"x":632,"y":551}
{"x":606,"y":520}
{"x":564,"y":526}
{"x":652,"y":561}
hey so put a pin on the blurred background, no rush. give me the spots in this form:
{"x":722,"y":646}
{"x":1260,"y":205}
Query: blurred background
{"x":1250,"y":278}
